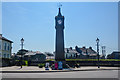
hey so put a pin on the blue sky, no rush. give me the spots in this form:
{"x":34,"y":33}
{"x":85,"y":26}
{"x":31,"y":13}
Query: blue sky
{"x":84,"y":22}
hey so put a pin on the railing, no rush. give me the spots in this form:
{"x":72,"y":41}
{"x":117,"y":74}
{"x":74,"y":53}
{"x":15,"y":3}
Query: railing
{"x":82,"y":63}
{"x":70,"y":63}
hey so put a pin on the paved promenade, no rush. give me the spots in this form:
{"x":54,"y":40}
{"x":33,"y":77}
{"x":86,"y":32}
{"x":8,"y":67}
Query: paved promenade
{"x":82,"y":72}
{"x":35,"y":69}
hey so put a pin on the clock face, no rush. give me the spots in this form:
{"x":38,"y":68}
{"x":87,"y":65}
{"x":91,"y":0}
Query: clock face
{"x":59,"y":21}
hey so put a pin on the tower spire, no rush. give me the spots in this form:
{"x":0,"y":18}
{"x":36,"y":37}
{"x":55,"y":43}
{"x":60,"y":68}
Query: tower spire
{"x":59,"y":13}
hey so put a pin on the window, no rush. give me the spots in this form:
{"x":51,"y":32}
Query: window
{"x":5,"y":46}
{"x":7,"y":55}
{"x":0,"y":55}
{"x":8,"y":47}
{"x":0,"y":45}
{"x":4,"y":56}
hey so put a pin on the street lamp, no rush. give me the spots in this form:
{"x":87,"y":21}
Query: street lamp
{"x":87,"y":54}
{"x":22,"y":40}
{"x":97,"y":40}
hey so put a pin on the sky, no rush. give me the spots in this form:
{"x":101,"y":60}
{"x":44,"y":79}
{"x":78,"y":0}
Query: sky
{"x":59,"y":0}
{"x":84,"y":23}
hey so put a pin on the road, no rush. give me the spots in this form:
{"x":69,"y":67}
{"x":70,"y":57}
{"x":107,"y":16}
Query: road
{"x":73,"y":74}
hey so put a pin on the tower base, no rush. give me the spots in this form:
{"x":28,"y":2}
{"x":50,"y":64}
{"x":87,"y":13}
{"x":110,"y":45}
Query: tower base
{"x":64,"y":65}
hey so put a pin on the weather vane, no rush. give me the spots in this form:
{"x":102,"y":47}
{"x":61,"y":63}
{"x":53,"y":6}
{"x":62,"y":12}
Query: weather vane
{"x":59,"y":5}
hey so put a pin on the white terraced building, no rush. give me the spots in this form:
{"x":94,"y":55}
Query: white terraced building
{"x":5,"y":47}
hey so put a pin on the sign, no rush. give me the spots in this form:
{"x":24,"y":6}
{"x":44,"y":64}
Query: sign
{"x":60,"y":65}
{"x":56,"y":66}
{"x":47,"y":66}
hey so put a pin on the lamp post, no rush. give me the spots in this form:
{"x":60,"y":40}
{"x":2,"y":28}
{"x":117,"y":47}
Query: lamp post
{"x":87,"y":54}
{"x":97,"y":40}
{"x":22,"y":40}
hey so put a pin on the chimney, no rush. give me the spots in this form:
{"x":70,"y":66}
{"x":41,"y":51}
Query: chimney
{"x":67,"y":51}
{"x":71,"y":48}
{"x":76,"y":47}
{"x":90,"y":47}
{"x":0,"y":35}
{"x":84,"y":47}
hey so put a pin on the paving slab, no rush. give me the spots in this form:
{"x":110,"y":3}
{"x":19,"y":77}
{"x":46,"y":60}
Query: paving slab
{"x":35,"y":69}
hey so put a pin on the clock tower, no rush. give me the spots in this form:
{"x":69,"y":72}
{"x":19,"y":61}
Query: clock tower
{"x":59,"y":45}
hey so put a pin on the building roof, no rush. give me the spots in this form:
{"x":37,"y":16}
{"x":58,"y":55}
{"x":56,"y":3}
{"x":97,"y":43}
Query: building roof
{"x":69,"y":50}
{"x":84,"y":51}
{"x":3,"y":38}
{"x":115,"y":53}
{"x":48,"y":54}
{"x":32,"y":53}
{"x":88,"y":50}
